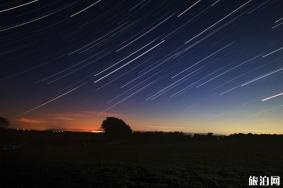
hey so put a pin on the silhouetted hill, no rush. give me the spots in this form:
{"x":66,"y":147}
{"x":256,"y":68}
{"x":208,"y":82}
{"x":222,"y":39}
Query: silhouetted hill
{"x":146,"y":159}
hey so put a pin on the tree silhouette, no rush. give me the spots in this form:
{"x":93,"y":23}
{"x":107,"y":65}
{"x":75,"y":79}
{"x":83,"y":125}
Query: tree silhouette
{"x":115,"y":128}
{"x":4,"y":122}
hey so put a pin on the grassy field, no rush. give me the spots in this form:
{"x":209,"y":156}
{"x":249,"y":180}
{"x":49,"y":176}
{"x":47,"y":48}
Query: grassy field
{"x":38,"y":159}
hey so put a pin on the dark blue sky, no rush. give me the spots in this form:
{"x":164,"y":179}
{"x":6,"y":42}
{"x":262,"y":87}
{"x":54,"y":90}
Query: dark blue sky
{"x":163,"y":65}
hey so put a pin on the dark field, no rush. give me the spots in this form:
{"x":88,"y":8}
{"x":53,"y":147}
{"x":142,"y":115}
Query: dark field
{"x":45,"y":159}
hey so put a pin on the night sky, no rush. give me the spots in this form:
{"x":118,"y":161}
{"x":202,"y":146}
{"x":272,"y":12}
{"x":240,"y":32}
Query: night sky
{"x":192,"y":66}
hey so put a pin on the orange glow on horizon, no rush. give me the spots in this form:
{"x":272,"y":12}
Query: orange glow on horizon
{"x":91,"y":122}
{"x":82,"y":121}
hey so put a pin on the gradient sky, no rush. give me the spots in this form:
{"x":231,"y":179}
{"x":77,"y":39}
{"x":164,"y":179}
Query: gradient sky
{"x":192,"y":66}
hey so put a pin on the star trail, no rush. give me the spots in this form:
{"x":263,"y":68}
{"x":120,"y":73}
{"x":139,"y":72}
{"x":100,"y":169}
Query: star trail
{"x":174,"y":62}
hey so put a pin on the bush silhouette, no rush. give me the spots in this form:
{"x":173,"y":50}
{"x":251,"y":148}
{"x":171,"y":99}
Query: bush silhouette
{"x":115,"y":128}
{"x":4,"y":122}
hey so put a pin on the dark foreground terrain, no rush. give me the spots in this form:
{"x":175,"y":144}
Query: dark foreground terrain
{"x":46,"y":159}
